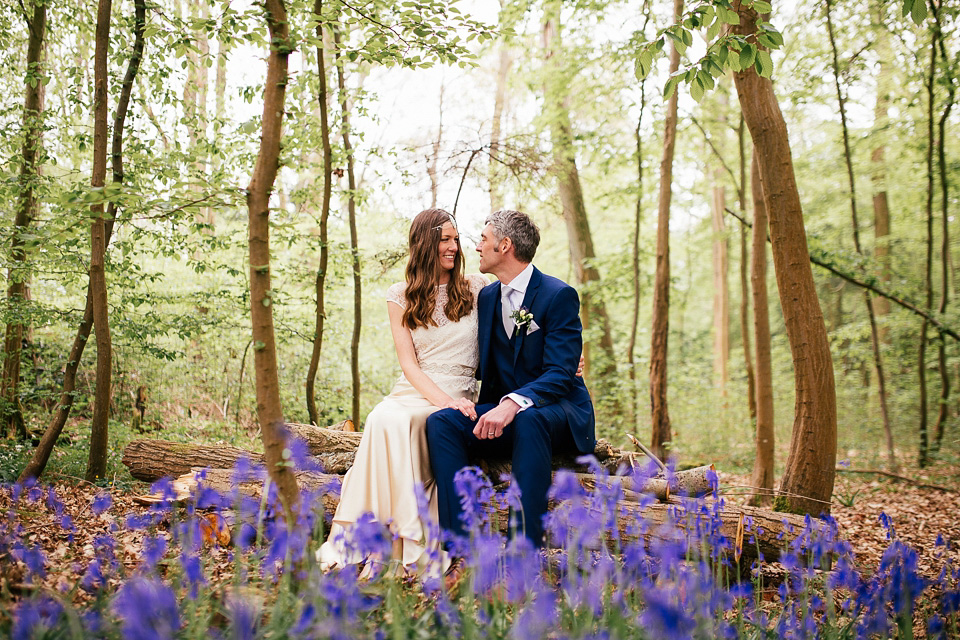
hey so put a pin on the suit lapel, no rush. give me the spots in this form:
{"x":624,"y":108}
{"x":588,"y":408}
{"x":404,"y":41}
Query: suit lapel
{"x":487,"y":303}
{"x":528,"y":297}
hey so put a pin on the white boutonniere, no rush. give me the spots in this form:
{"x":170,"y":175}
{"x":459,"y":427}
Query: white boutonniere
{"x":523,"y":318}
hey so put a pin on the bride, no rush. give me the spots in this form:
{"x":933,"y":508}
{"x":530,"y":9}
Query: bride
{"x":433,"y":318}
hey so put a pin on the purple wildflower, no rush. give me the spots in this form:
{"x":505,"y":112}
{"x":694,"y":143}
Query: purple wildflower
{"x":33,"y":617}
{"x":101,"y":502}
{"x":147,"y":609}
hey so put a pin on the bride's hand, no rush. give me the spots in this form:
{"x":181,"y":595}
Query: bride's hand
{"x":463,"y":405}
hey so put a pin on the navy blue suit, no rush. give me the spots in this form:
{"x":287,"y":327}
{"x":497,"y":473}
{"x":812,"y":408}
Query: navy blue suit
{"x":540,"y":365}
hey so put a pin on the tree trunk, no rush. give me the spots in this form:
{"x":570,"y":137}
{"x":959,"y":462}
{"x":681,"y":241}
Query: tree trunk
{"x":18,"y":277}
{"x":321,"y":277}
{"x":269,"y":409}
{"x":874,"y":333}
{"x":945,"y":228}
{"x":744,"y":275}
{"x":721,"y":295}
{"x":499,"y":104}
{"x":922,"y":458}
{"x":763,"y":463}
{"x":41,"y":455}
{"x":435,"y":153}
{"x":97,"y":460}
{"x":352,"y":214}
{"x":771,"y":532}
{"x":881,"y":205}
{"x":635,"y":266}
{"x":334,"y":449}
{"x":809,"y":475}
{"x":660,"y":416}
{"x":556,"y":85}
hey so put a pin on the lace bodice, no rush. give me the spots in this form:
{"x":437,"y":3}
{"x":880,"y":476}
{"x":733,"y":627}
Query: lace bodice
{"x":447,"y":352}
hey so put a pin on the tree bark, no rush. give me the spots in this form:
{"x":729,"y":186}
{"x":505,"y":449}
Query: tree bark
{"x":659,"y":414}
{"x":881,"y":203}
{"x":97,"y":459}
{"x":745,"y":275}
{"x":874,"y":332}
{"x":496,"y":128}
{"x":922,"y":457}
{"x":763,"y":463}
{"x":556,"y":85}
{"x":721,"y":294}
{"x":334,"y":449}
{"x":352,"y":215}
{"x":321,"y":277}
{"x":434,"y":160}
{"x":269,"y":409}
{"x":41,"y":454}
{"x":809,"y":475}
{"x":771,"y":532}
{"x":941,"y":419}
{"x":18,"y":276}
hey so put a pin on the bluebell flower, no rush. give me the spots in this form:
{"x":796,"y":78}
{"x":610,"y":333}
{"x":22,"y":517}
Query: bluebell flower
{"x":101,"y":502}
{"x":483,"y":561}
{"x":246,"y":535}
{"x":32,"y":557}
{"x":475,"y":492}
{"x":664,"y":616}
{"x":33,"y":617}
{"x":147,"y":609}
{"x":243,"y":618}
{"x":154,"y":548}
{"x":538,"y":617}
{"x":192,"y":571}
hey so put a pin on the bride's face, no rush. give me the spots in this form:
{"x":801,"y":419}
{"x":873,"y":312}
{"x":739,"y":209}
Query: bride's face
{"x":449,"y":246}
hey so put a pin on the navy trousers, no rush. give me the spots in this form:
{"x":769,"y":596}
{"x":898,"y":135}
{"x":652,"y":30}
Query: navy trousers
{"x":530,"y":441}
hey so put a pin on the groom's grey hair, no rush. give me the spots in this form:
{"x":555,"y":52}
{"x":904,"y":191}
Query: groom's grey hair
{"x":522,"y":231}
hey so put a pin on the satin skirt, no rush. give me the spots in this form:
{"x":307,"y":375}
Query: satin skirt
{"x":391,"y":460}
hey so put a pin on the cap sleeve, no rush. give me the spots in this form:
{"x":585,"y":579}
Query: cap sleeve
{"x":477,"y":282}
{"x":395,"y":294}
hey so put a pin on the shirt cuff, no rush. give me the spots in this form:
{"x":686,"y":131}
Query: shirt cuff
{"x":523,"y":401}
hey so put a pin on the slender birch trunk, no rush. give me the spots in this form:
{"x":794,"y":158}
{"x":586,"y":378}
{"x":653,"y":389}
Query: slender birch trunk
{"x":659,"y":413}
{"x":868,"y":299}
{"x":352,"y":215}
{"x":321,"y":276}
{"x":269,"y":409}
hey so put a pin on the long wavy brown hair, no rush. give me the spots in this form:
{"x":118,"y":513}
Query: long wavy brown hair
{"x":424,"y":271}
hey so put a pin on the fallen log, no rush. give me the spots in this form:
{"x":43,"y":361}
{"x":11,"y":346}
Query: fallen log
{"x":770,"y":531}
{"x":150,"y":460}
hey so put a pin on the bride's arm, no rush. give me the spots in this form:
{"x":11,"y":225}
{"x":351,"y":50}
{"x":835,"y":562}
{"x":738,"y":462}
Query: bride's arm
{"x":407,"y":356}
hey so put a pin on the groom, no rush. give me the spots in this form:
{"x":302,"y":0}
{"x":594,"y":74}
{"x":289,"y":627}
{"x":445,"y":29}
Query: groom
{"x":531,"y":402}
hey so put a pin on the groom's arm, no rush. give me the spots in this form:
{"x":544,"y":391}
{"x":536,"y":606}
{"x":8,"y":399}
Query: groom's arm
{"x":562,"y":346}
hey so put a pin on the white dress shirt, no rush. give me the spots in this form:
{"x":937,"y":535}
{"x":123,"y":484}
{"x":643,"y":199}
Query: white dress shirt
{"x":511,"y":299}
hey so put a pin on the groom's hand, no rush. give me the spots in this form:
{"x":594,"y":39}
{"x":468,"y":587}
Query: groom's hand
{"x":491,"y":424}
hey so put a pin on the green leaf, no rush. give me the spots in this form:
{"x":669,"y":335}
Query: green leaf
{"x":747,"y":55}
{"x":764,"y":64}
{"x":670,"y":87}
{"x":908,"y":7}
{"x":762,"y":7}
{"x":697,"y":89}
{"x":919,"y":11}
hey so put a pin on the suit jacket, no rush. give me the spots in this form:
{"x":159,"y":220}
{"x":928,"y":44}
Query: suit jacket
{"x":544,"y":361}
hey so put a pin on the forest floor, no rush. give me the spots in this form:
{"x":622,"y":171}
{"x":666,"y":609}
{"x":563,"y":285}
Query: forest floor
{"x":919,"y":514}
{"x":918,"y":511}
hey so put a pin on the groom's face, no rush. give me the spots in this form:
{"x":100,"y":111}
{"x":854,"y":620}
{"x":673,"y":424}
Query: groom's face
{"x":490,"y":254}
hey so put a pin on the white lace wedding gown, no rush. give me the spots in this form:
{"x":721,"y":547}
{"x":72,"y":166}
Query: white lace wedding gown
{"x":392,"y":457}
